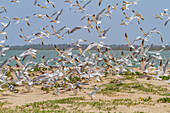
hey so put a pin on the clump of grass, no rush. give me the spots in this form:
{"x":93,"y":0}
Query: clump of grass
{"x":7,"y":110}
{"x":37,"y":69}
{"x":3,"y":103}
{"x":138,"y":112}
{"x":114,"y":81}
{"x":53,"y":102}
{"x":165,"y":77}
{"x":74,"y":79}
{"x":130,"y":87}
{"x":165,"y":94}
{"x":75,"y":103}
{"x":164,"y":100}
{"x":149,"y":99}
{"x":107,"y":105}
{"x":6,"y":85}
{"x":46,"y":106}
{"x":113,"y":74}
{"x":106,"y":73}
{"x":7,"y":73}
{"x":44,"y":69}
{"x":138,"y":73}
{"x":131,"y":75}
{"x":44,"y":89}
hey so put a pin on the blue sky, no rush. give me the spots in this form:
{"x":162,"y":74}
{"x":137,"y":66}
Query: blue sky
{"x":148,"y":8}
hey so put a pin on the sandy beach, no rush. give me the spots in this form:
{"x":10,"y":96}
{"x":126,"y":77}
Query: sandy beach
{"x":84,"y":56}
{"x":134,"y":97}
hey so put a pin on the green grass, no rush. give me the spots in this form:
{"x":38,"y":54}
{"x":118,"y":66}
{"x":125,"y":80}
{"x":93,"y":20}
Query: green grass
{"x":44,"y":69}
{"x":164,"y":100}
{"x":165,"y":94}
{"x":6,"y":85}
{"x":146,"y":99}
{"x":7,"y":73}
{"x":138,"y":112}
{"x":106,"y":73}
{"x":132,"y":88}
{"x":3,"y":103}
{"x":165,"y":77}
{"x":74,"y":104}
{"x":37,"y":69}
{"x":131,"y":75}
{"x":72,"y":79}
{"x":49,"y":106}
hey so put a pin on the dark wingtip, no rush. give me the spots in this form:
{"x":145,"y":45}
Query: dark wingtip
{"x":125,"y":34}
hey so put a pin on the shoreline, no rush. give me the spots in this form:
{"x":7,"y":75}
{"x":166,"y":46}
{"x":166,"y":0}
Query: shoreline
{"x":75,"y":50}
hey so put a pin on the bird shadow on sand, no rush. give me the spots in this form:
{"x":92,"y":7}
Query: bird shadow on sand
{"x":42,"y":94}
{"x":3,"y":94}
{"x":3,"y":98}
{"x":73,"y":95}
{"x":91,"y":99}
{"x":25,"y":92}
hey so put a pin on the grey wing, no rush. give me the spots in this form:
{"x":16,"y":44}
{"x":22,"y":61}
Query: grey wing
{"x":50,"y":60}
{"x":146,"y":66}
{"x":166,"y":23}
{"x":136,"y":40}
{"x":148,"y":48}
{"x":164,"y":69}
{"x":26,"y":63}
{"x":95,"y":91}
{"x":84,"y":17}
{"x":35,"y":2}
{"x":89,"y":47}
{"x":99,"y":14}
{"x":24,"y":57}
{"x":106,"y":31}
{"x":86,"y":4}
{"x":59,"y":14}
{"x":54,"y":14}
{"x":4,"y":63}
{"x":74,"y":29}
{"x":58,"y":32}
{"x":1,"y":12}
{"x":6,"y":26}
